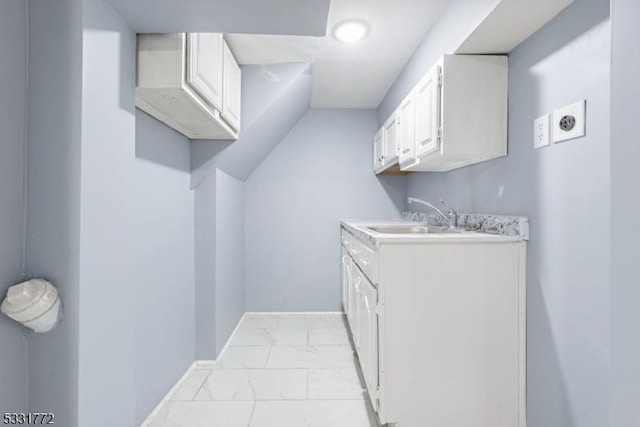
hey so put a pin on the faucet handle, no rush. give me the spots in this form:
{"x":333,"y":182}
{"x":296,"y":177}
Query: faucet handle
{"x":453,"y":214}
{"x":446,"y":205}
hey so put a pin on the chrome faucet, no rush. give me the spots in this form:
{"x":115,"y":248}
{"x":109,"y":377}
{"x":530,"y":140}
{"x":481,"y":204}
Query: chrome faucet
{"x":452,"y":216}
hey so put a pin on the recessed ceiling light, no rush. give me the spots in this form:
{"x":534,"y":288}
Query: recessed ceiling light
{"x":351,"y":31}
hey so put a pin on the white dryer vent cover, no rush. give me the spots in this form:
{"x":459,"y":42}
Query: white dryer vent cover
{"x":34,"y":303}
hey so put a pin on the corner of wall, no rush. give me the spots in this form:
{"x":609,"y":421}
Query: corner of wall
{"x":279,"y":110}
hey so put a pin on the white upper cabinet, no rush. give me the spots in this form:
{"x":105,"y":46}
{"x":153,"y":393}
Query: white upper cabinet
{"x":232,"y":89}
{"x":204,"y":67}
{"x":378,"y":150}
{"x":190,"y":82}
{"x":460,"y":113}
{"x":391,"y":140}
{"x":427,"y":113}
{"x":455,"y":116}
{"x":406,"y":118}
{"x":387,"y":143}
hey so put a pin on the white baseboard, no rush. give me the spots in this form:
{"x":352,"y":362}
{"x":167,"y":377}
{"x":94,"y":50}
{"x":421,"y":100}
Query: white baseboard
{"x":226,"y":345}
{"x":156,"y":410}
{"x":206,"y":364}
{"x":198,"y":364}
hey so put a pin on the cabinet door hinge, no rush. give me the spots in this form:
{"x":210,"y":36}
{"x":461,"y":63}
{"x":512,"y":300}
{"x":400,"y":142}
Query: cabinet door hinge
{"x":439,"y":134}
{"x":378,"y":308}
{"x":439,"y":77}
{"x":377,"y":397}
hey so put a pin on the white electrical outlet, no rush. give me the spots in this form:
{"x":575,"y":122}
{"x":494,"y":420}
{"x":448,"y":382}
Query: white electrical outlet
{"x":541,"y":131}
{"x":569,"y":122}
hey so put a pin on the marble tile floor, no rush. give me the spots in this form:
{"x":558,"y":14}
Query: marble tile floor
{"x":279,"y":370}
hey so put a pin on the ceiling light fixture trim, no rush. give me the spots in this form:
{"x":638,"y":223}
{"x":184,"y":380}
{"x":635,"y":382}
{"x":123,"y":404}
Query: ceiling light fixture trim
{"x":351,"y":30}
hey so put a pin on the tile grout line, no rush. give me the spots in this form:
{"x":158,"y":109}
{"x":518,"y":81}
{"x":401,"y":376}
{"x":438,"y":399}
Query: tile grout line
{"x":253,"y":410}
{"x":202,"y":385}
{"x":253,"y":418}
{"x":266,"y":364}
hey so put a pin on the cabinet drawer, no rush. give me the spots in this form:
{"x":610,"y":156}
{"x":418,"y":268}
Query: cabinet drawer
{"x":346,"y":239}
{"x":364,"y":256}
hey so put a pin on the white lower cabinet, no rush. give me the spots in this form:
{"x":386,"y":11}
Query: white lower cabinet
{"x":361,"y":308}
{"x":368,"y":324}
{"x":346,"y":271}
{"x":439,"y":329}
{"x":354,"y":304}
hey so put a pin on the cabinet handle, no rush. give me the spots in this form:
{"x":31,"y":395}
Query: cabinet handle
{"x":364,"y":261}
{"x":353,"y":251}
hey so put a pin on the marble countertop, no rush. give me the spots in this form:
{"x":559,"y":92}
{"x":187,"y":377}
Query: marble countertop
{"x":361,"y":230}
{"x":478,"y":227}
{"x":507,"y":225}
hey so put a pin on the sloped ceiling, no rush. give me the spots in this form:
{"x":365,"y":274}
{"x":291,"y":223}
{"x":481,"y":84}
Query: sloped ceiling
{"x":293,"y":17}
{"x":274,"y":98}
{"x":350,"y":75}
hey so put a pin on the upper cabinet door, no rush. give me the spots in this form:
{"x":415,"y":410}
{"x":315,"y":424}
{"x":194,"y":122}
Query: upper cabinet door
{"x":232,"y":89}
{"x":391,"y":139}
{"x":204,"y":66}
{"x":406,"y":118}
{"x":427,"y":113}
{"x":378,"y":150}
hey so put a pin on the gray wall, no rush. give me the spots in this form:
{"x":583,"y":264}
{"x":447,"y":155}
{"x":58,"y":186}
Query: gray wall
{"x":53,"y":191}
{"x":625,"y":205}
{"x":108,"y":239}
{"x":230,"y":295}
{"x":319,"y":173}
{"x":137,"y":281}
{"x":564,"y":190}
{"x":205,"y":259}
{"x":274,"y":98}
{"x":220,"y":294}
{"x":13,"y":47}
{"x":164,"y":279}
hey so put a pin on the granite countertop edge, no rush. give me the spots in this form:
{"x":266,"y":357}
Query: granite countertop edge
{"x":484,"y":227}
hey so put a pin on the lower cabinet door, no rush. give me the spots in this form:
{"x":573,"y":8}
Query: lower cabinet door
{"x":356,"y":307}
{"x":345,"y":280}
{"x":352,"y":305}
{"x":369,"y":338}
